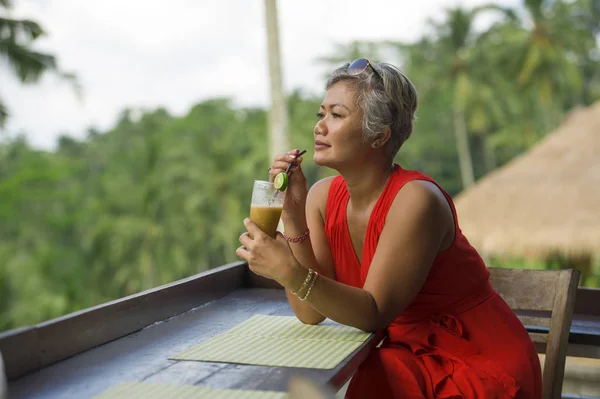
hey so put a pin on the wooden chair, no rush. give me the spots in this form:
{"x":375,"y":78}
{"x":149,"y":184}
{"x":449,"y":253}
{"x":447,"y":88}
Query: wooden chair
{"x":544,"y":299}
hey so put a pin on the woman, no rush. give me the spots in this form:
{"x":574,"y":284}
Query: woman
{"x":379,"y":247}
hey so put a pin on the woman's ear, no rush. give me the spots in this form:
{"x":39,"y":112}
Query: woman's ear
{"x":380,"y":142}
{"x":387,"y":133}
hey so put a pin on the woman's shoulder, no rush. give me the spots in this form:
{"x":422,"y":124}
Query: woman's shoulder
{"x":320,"y":190}
{"x":319,"y":193}
{"x":424,"y":201}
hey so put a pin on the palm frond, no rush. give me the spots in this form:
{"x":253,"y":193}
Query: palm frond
{"x":28,"y":65}
{"x":20,"y":30}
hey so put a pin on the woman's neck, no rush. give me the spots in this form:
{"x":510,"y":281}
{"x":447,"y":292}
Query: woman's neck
{"x":366,"y":182}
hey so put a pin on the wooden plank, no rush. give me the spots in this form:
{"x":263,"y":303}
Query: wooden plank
{"x":143,"y":355}
{"x":243,"y":376}
{"x":558,"y":334}
{"x":185,"y":372}
{"x":534,"y":321}
{"x":584,"y":331}
{"x":256,"y":281}
{"x":575,"y":350}
{"x":538,"y":338}
{"x":30,"y":349}
{"x":525,"y":289}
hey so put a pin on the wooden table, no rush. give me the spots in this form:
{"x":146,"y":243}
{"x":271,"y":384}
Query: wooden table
{"x":84,"y":353}
{"x":143,"y":355}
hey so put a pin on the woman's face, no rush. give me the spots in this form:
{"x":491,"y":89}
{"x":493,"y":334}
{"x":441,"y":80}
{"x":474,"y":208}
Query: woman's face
{"x":338,"y":132}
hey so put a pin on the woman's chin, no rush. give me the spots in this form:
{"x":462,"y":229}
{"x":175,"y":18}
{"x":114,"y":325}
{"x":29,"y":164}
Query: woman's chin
{"x":320,"y":160}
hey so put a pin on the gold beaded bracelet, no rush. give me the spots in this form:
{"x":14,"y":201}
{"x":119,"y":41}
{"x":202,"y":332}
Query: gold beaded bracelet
{"x":306,"y":281}
{"x":312,"y":283}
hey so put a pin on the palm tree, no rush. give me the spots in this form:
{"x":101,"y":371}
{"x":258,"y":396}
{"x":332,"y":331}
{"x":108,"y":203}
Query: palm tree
{"x":278,"y":122}
{"x":585,"y":15}
{"x":16,"y":39}
{"x":544,"y":58}
{"x":449,"y":60}
{"x":347,"y":52}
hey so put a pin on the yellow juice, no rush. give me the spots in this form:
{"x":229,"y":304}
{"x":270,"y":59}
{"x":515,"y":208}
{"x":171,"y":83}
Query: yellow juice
{"x":266,"y":218}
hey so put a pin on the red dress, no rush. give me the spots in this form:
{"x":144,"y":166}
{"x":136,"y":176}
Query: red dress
{"x":457,"y":338}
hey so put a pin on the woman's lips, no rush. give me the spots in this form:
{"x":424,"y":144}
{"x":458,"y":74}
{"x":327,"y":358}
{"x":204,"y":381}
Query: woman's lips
{"x":319,"y":145}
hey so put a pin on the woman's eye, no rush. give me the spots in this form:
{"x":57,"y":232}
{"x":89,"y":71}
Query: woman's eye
{"x":336,"y":116}
{"x":319,"y":115}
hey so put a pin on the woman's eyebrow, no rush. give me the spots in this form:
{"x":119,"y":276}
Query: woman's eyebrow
{"x":335,"y":105}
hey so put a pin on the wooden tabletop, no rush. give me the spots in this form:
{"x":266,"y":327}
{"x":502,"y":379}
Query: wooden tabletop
{"x":143,"y":355}
{"x":130,"y":339}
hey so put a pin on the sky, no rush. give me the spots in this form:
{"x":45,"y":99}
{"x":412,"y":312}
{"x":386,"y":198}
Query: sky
{"x":146,"y":54}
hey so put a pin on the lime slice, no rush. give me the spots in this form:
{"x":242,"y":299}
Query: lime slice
{"x":281,"y":181}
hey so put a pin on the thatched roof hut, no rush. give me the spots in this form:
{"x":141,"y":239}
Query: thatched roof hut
{"x":545,"y":201}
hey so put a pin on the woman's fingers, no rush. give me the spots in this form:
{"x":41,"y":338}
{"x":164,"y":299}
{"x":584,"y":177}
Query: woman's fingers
{"x":282,"y":161}
{"x":245,"y":240}
{"x":282,"y":166}
{"x":287,"y":156}
{"x":279,"y":167}
{"x":242,"y":252}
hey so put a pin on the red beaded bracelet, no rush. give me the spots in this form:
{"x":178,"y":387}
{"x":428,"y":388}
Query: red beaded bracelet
{"x":298,"y":239}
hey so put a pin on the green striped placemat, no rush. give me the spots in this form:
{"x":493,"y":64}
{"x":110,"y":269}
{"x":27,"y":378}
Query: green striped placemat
{"x":144,"y":390}
{"x":281,"y":341}
{"x":280,"y":352}
{"x":291,"y":327}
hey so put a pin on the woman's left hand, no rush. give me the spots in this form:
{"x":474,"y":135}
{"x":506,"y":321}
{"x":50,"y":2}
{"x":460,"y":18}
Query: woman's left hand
{"x":267,"y":257}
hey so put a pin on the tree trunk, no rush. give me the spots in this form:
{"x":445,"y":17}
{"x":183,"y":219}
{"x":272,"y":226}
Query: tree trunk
{"x":489,"y":155}
{"x":278,"y":135}
{"x":462,"y":147}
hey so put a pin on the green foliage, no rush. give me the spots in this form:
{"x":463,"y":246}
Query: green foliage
{"x":17,"y":39}
{"x":158,"y":197}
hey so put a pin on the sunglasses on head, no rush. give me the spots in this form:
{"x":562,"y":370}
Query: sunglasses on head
{"x":359,"y":65}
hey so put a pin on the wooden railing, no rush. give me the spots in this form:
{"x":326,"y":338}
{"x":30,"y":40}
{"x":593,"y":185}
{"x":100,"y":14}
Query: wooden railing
{"x":31,"y":348}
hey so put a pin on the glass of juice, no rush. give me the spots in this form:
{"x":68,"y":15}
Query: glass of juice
{"x":266,"y":207}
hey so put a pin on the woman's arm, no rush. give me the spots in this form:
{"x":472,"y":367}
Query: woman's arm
{"x":418,"y":222}
{"x":313,"y":253}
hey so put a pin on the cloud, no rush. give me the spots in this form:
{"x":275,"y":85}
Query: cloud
{"x":145,"y":53}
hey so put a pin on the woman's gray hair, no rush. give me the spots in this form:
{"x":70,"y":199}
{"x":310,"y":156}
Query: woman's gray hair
{"x":391,"y":102}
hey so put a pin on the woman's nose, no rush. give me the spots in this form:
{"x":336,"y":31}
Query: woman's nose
{"x":321,"y":128}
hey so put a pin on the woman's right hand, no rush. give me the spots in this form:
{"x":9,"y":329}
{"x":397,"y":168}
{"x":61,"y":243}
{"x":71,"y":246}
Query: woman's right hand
{"x":297,"y":190}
